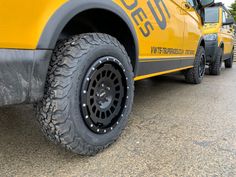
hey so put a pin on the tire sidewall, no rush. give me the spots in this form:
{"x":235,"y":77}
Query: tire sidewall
{"x":201,"y":52}
{"x":229,"y":62}
{"x":218,"y":61}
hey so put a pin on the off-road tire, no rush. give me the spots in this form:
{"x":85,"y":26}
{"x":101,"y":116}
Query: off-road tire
{"x":215,"y":66}
{"x":59,"y":113}
{"x":193,"y":75}
{"x":229,"y":62}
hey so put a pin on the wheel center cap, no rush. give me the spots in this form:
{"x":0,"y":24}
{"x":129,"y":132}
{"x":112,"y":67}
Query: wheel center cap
{"x":102,"y":94}
{"x":104,"y":97}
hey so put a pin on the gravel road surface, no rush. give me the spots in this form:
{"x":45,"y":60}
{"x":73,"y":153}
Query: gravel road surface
{"x":175,"y":129}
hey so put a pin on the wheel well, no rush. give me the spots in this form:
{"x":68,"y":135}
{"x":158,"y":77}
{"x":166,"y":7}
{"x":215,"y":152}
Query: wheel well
{"x":102,"y":21}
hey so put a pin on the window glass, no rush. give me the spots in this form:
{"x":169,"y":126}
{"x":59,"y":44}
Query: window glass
{"x":192,"y":2}
{"x":224,"y":17}
{"x":228,"y":15}
{"x":212,"y":15}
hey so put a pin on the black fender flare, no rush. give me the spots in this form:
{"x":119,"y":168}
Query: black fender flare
{"x":201,"y":40}
{"x":72,"y":8}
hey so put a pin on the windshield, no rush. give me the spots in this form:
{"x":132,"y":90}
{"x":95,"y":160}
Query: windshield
{"x":212,"y":15}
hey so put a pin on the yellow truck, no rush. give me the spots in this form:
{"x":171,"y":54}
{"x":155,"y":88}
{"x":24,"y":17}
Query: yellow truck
{"x":77,"y":60}
{"x":219,"y":38}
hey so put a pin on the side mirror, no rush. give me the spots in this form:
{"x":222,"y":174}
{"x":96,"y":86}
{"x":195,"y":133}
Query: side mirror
{"x":229,"y":21}
{"x":206,"y":3}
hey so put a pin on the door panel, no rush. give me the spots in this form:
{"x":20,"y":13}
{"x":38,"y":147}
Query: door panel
{"x":228,"y":40}
{"x":193,"y":29}
{"x":159,"y":25}
{"x":227,"y":35}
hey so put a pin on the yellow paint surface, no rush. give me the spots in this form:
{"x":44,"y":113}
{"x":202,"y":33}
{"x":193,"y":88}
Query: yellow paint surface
{"x":22,"y":22}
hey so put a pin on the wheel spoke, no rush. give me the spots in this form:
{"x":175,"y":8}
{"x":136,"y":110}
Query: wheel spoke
{"x":104,"y":95}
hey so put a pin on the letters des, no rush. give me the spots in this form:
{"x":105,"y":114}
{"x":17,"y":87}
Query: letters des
{"x":140,"y":18}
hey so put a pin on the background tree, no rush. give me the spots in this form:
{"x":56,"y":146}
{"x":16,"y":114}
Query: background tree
{"x":232,"y":9}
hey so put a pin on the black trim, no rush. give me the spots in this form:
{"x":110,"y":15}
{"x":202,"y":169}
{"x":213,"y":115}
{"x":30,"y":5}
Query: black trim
{"x":69,"y":10}
{"x":221,"y":44}
{"x":227,"y":56}
{"x":160,"y":65}
{"x":22,"y":75}
{"x":72,"y":8}
{"x":211,"y":49}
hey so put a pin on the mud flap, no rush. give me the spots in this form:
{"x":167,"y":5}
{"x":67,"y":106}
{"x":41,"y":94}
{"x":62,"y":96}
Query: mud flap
{"x":22,"y":75}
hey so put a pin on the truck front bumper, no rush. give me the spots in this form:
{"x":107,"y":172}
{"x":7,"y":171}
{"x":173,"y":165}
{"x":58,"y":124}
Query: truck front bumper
{"x":211,"y":49}
{"x":22,"y":75}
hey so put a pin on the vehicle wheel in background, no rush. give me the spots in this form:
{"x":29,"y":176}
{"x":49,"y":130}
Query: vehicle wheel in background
{"x":229,"y":62}
{"x":215,"y":66}
{"x":196,"y":74}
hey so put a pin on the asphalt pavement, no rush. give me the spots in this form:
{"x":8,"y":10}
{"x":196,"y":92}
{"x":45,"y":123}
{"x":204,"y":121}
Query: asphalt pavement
{"x":175,"y":129}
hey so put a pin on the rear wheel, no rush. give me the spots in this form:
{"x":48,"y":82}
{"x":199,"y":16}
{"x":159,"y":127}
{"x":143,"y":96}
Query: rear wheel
{"x":229,"y":62}
{"x":88,"y":95}
{"x":215,"y":66}
{"x":195,"y":75}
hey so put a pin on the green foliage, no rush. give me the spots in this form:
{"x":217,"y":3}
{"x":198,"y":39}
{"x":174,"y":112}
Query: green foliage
{"x":232,"y":9}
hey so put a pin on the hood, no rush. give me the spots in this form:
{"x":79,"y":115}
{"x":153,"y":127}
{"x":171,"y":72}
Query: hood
{"x":210,"y":28}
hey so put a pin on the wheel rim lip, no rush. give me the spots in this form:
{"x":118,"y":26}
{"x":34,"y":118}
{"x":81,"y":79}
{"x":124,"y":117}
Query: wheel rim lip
{"x":91,"y":125}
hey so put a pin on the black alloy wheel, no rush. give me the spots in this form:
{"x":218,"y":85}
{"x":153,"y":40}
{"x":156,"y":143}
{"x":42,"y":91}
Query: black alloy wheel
{"x":104,"y":95}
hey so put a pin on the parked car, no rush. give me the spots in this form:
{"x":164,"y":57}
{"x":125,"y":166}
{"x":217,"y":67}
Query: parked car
{"x":77,"y":60}
{"x":219,"y":37}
